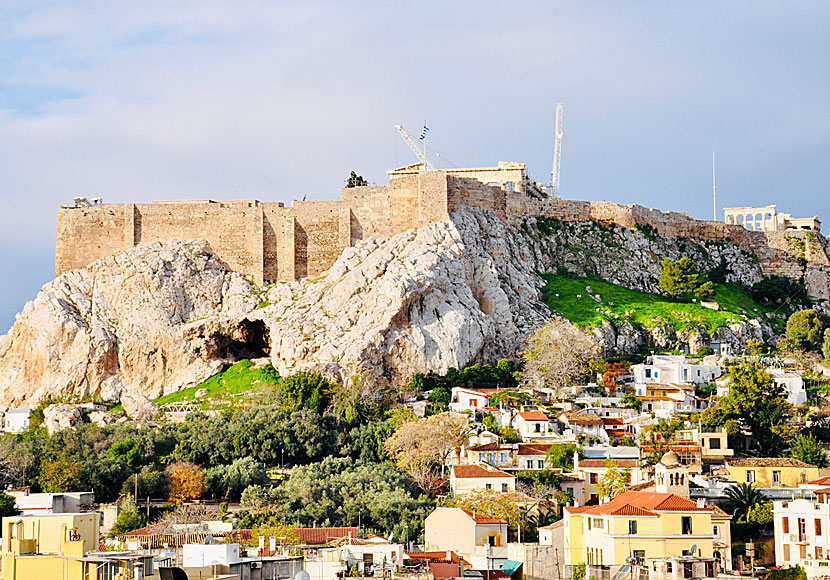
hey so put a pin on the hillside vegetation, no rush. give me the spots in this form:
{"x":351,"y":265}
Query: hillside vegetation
{"x":567,"y":296}
{"x":239,"y":382}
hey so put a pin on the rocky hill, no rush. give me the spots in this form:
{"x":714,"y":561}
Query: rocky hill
{"x":160,"y":317}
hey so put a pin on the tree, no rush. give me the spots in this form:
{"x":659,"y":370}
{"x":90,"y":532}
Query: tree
{"x":229,"y":481}
{"x":8,"y":505}
{"x":613,"y":481}
{"x":288,"y":537}
{"x":419,"y":446}
{"x":825,"y":348}
{"x":128,"y":520}
{"x":678,"y":277}
{"x":557,"y":354}
{"x":806,"y":448}
{"x":741,"y":499}
{"x":755,"y":401}
{"x":185,"y":482}
{"x":258,"y":496}
{"x":60,"y":475}
{"x":355,"y":180}
{"x":629,"y":401}
{"x":561,"y":456}
{"x":805,"y":330}
{"x":125,"y":451}
{"x":305,"y":390}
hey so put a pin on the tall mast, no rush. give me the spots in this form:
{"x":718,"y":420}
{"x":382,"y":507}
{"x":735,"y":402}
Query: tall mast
{"x":553,"y":186}
{"x":714,"y":190}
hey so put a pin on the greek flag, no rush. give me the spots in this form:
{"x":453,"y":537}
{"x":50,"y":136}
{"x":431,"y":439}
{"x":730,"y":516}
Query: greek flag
{"x":424,"y":133}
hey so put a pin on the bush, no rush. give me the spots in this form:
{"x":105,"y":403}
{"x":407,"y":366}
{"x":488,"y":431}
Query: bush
{"x":705,"y":350}
{"x":805,"y":330}
{"x":128,"y":520}
{"x":777,"y":289}
{"x":258,"y":496}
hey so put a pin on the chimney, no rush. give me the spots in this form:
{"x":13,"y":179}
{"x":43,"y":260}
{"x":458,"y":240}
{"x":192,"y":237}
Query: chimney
{"x":701,"y":502}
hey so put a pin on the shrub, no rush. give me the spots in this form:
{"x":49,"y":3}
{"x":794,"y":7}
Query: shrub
{"x":805,"y":330}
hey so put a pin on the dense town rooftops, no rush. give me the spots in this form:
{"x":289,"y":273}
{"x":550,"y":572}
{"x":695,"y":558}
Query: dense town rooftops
{"x":767,"y":462}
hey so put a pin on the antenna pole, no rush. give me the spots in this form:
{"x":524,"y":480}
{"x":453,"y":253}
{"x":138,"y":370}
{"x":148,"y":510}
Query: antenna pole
{"x":714,"y":190}
{"x":425,"y":147}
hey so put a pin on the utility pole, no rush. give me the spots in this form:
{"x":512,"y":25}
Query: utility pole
{"x":714,"y":190}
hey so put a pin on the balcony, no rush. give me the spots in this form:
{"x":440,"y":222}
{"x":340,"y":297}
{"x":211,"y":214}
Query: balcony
{"x":491,"y":551}
{"x":799,"y":539}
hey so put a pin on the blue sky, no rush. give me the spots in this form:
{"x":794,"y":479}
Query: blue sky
{"x":155,"y":100}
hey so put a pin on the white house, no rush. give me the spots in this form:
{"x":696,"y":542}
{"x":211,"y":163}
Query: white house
{"x":51,"y":503}
{"x":200,"y":555}
{"x":662,"y":368}
{"x":532,"y":425}
{"x":464,"y":399}
{"x":802,"y":534}
{"x":16,"y":420}
{"x":792,"y":383}
{"x":481,"y":540}
{"x":467,"y":478}
{"x":532,"y":455}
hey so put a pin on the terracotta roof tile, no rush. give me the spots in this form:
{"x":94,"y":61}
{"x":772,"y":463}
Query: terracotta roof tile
{"x":533,"y":415}
{"x":612,"y":421}
{"x":478,"y":471}
{"x":819,"y":481}
{"x":534,"y":448}
{"x":479,"y":519}
{"x":490,"y":447}
{"x":629,"y":502}
{"x":767,"y":462}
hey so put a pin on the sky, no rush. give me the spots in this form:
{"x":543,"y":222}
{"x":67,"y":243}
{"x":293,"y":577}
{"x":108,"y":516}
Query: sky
{"x":142,"y":101}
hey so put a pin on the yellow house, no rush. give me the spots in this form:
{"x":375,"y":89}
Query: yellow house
{"x":772,"y":471}
{"x":50,"y":546}
{"x":639,"y":525}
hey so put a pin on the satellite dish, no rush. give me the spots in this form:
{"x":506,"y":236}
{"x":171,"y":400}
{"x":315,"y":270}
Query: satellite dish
{"x":302,"y":575}
{"x":208,"y":539}
{"x":693,"y":550}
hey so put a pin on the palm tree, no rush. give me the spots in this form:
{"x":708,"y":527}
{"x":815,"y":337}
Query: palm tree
{"x":742,"y":498}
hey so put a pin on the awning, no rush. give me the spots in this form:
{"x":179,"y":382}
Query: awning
{"x":511,"y":567}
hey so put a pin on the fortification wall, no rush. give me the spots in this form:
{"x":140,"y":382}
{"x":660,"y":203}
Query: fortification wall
{"x":86,"y":234}
{"x":270,"y":242}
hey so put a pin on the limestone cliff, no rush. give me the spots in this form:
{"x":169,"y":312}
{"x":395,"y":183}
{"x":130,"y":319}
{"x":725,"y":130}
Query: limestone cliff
{"x":160,"y":317}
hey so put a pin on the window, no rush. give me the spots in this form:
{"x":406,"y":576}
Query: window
{"x":714,"y":443}
{"x":786,"y":523}
{"x":504,"y":457}
{"x":504,"y":488}
{"x":540,"y":463}
{"x":802,"y":551}
{"x":818,"y":527}
{"x":594,"y":478}
{"x":803,"y":476}
{"x":491,"y":540}
{"x":648,"y":373}
{"x":786,"y":552}
{"x":802,"y":529}
{"x":686,"y":524}
{"x":715,"y":530}
{"x":590,"y":520}
{"x":819,"y":553}
{"x":640,"y":556}
{"x":488,"y":486}
{"x":776,"y":478}
{"x":668,"y":567}
{"x":632,"y":527}
{"x":599,"y":523}
{"x":750,"y":476}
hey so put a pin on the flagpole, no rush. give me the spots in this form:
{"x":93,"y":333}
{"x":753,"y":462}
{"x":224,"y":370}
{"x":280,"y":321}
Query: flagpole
{"x":426,"y":164}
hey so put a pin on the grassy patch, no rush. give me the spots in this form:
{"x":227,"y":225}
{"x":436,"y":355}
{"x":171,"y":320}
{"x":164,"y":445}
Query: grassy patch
{"x":235,"y":382}
{"x":642,"y":308}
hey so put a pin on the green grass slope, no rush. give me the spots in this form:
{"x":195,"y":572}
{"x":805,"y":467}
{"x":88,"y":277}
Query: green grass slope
{"x":235,"y":384}
{"x":562,"y":294}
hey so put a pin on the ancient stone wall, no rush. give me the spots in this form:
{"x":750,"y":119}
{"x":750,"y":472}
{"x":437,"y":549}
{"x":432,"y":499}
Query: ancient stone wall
{"x":271,"y":242}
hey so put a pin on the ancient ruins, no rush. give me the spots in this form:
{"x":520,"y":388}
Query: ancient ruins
{"x":269,"y":241}
{"x":767,"y":219}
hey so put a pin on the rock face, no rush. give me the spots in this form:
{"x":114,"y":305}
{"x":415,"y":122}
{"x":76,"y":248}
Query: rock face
{"x":138,"y":407}
{"x":117,"y":326}
{"x":161,"y":317}
{"x":61,"y":416}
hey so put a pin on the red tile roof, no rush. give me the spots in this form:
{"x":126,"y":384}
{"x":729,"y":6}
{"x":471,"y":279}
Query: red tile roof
{"x":490,"y":447}
{"x":479,"y":519}
{"x":325,"y":535}
{"x":442,"y":571}
{"x":447,"y":556}
{"x":612,"y":421}
{"x":478,"y":471}
{"x":534,"y":448}
{"x":819,"y":481}
{"x":767,"y":462}
{"x":533,"y":415}
{"x":480,"y":392}
{"x":641,"y":503}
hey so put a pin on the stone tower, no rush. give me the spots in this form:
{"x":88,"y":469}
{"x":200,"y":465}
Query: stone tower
{"x":670,"y":476}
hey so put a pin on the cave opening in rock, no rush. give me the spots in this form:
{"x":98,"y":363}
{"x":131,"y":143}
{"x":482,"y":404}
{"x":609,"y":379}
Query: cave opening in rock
{"x":250,"y":339}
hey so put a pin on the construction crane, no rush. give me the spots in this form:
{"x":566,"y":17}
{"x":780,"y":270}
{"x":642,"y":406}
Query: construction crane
{"x":414,"y":146}
{"x":553,"y":186}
